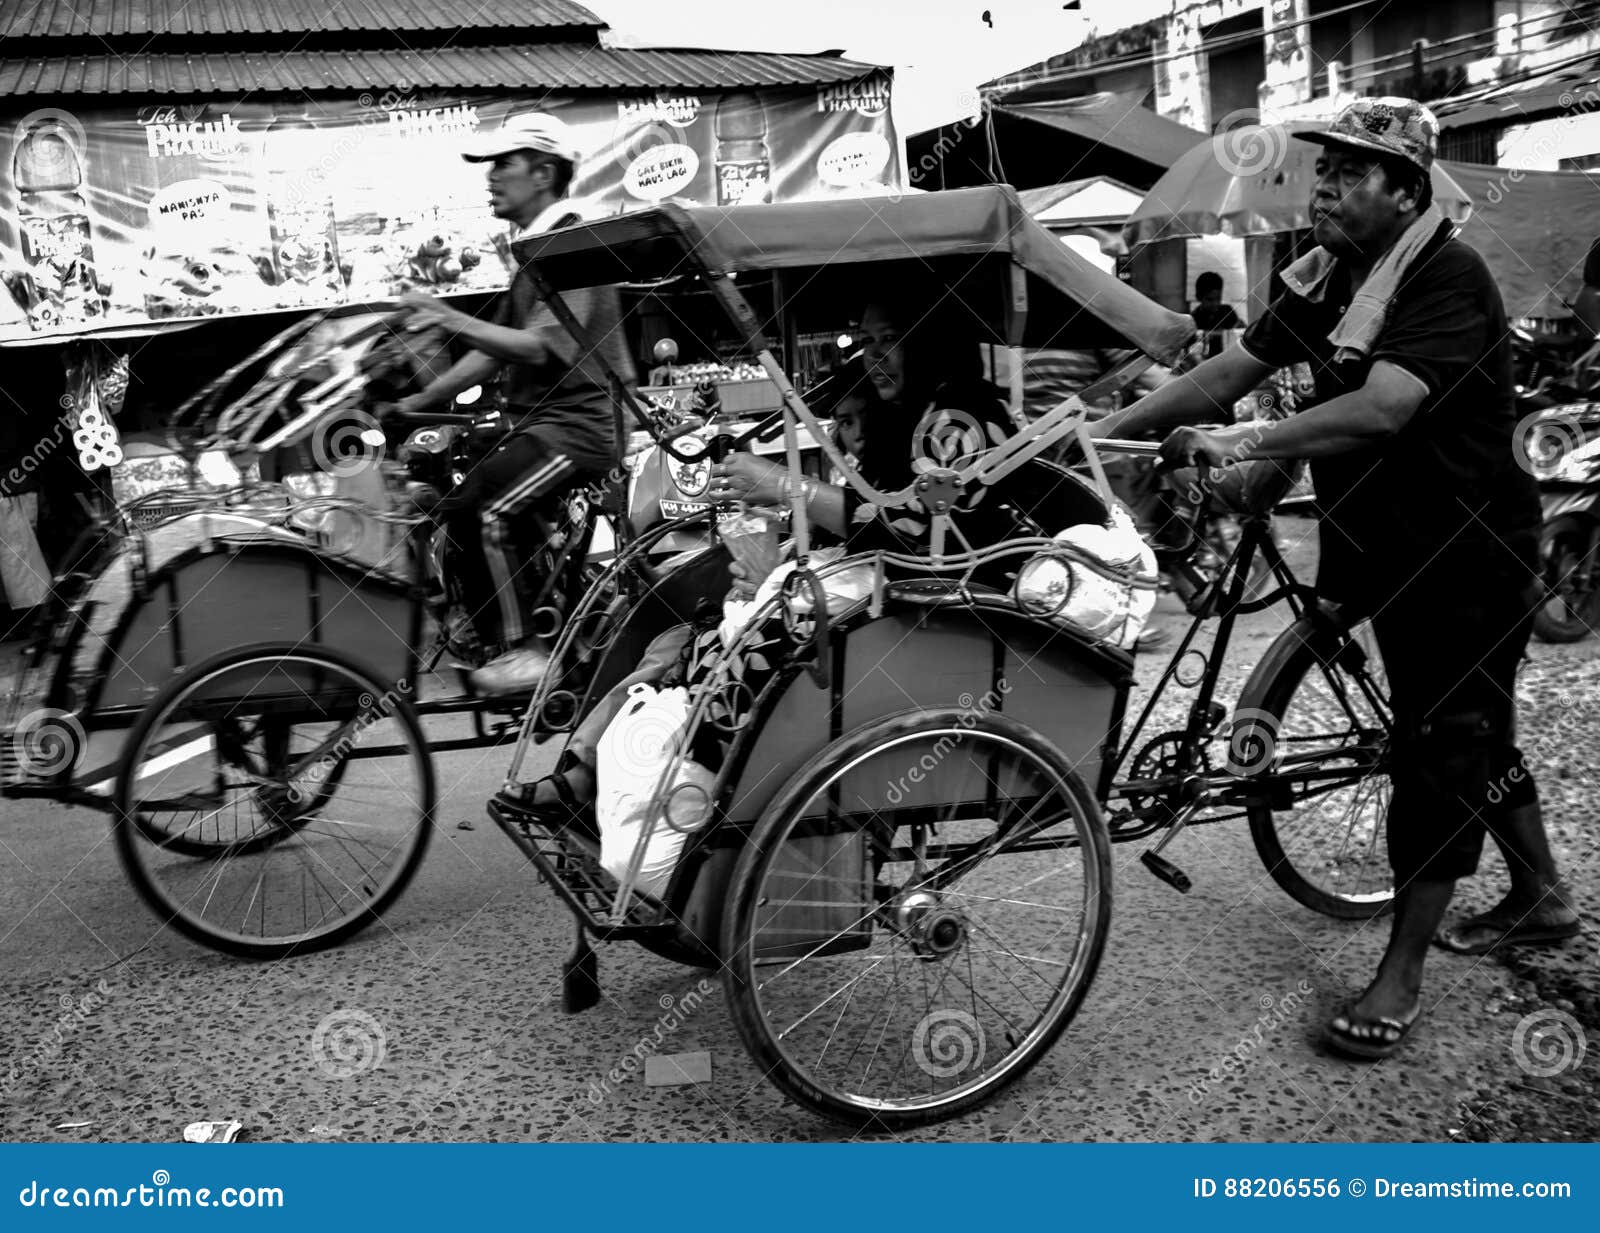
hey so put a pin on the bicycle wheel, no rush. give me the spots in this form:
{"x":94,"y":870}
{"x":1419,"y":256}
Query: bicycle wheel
{"x":274,"y":800}
{"x":917,"y":917}
{"x":1314,"y":731}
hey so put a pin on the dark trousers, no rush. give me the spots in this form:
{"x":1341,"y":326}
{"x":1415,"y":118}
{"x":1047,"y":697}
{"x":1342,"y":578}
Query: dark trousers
{"x":496,"y":519}
{"x":1451,"y":650}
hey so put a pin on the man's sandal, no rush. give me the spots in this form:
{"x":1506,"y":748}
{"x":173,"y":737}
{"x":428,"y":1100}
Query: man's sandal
{"x":1502,"y":931}
{"x":1368,"y":1040}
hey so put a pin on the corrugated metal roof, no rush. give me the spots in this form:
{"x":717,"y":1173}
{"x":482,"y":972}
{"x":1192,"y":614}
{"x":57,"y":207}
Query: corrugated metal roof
{"x":543,"y":66}
{"x":113,"y":18}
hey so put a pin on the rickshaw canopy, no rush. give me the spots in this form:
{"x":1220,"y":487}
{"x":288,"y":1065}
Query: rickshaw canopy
{"x":1019,"y":281}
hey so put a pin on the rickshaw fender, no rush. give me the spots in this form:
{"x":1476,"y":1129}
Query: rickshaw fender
{"x":1316,"y":633}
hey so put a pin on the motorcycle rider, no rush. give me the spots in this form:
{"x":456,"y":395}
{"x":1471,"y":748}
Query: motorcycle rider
{"x":557,"y":403}
{"x":1428,"y":526}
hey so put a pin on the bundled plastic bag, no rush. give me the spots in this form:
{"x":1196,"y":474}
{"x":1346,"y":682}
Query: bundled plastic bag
{"x":639,"y":745}
{"x":1110,"y":608}
{"x":841,"y":588}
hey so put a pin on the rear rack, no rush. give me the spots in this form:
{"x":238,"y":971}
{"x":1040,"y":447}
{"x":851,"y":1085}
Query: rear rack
{"x":571,"y":864}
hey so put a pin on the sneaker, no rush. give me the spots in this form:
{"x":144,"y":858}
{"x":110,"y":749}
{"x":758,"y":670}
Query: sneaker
{"x":515,"y":672}
{"x":1152,"y":638}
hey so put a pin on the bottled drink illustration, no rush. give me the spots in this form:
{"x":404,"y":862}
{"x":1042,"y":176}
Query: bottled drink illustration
{"x":743,"y":161}
{"x":57,"y":241}
{"x":300,"y":216}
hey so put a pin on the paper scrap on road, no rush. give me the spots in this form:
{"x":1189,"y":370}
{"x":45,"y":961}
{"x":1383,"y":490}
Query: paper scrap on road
{"x":212,"y":1132}
{"x":677,"y":1069}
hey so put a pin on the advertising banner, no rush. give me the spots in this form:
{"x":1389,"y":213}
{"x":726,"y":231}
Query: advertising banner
{"x":113,"y":217}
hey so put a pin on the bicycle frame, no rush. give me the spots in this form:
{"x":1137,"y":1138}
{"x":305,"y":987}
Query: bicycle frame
{"x":1181,"y":795}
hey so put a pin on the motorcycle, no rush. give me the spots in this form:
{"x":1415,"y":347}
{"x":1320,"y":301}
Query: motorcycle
{"x":1557,"y":384}
{"x":1569,"y":538}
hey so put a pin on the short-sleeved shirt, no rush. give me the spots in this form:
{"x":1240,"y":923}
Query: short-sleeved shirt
{"x":1443,"y":500}
{"x":1591,"y":266}
{"x":566,"y":399}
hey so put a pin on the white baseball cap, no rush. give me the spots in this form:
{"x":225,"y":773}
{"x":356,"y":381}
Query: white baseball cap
{"x":533,"y":130}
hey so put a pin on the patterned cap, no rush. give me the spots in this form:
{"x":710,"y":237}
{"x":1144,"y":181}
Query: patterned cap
{"x":1399,"y":126}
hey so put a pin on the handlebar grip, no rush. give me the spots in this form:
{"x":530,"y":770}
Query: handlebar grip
{"x":428,"y":417}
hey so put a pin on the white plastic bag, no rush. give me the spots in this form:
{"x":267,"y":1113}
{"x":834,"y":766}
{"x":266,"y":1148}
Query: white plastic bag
{"x":1105,"y":607}
{"x":840,"y":588}
{"x":639,"y":745}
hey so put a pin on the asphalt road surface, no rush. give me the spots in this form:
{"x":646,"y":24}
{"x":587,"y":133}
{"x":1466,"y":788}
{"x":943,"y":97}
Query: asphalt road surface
{"x":450,"y":1026}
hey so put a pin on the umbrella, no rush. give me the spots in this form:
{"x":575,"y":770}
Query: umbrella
{"x":1251,"y":180}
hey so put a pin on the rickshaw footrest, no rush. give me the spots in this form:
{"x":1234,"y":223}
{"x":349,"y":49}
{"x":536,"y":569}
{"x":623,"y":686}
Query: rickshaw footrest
{"x":576,"y":876}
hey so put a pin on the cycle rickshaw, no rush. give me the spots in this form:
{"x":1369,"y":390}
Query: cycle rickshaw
{"x":896,"y":846}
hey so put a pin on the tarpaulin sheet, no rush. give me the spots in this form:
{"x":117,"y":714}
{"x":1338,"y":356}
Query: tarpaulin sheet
{"x":126,"y":215}
{"x":1533,"y":228}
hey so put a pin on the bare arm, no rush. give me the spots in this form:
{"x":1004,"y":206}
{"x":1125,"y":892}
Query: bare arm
{"x":1378,"y":410}
{"x":1204,"y":394}
{"x":472,"y":369}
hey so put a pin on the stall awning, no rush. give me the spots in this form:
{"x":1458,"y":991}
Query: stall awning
{"x":1116,"y":119}
{"x":1031,"y":145}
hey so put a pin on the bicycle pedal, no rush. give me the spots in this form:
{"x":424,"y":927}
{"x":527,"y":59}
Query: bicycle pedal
{"x":1167,"y":872}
